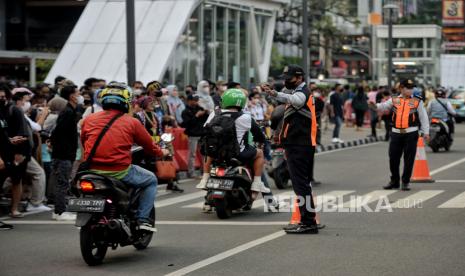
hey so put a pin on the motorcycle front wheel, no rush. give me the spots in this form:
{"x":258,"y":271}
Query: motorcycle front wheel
{"x":281,"y":177}
{"x":145,"y":237}
{"x":93,"y":251}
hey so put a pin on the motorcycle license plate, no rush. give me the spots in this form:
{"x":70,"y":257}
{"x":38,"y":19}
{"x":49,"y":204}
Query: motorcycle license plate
{"x":220,"y":184}
{"x":86,"y":205}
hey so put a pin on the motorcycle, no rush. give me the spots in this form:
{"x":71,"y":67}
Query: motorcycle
{"x":106,"y":213}
{"x":228,"y":188}
{"x":278,"y":169}
{"x":439,"y":133}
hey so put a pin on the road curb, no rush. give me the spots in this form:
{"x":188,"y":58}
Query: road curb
{"x":349,"y":144}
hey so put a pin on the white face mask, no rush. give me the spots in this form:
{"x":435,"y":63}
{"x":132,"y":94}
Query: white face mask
{"x":316,"y":94}
{"x":80,"y":100}
{"x":26,"y":107}
{"x":256,"y":101}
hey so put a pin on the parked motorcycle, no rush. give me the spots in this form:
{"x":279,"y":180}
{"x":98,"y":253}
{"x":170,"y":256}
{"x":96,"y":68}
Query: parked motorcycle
{"x":439,"y":135}
{"x":228,"y":188}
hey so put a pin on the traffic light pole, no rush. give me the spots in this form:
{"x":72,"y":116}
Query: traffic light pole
{"x":305,"y":31}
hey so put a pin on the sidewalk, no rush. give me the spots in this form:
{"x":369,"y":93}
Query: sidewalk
{"x":349,"y":136}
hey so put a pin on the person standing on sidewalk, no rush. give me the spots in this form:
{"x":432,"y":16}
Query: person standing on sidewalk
{"x":194,"y":117}
{"x":336,"y":112}
{"x":372,"y":98}
{"x":409,"y":115}
{"x":298,"y":136}
{"x":360,"y":106}
{"x":64,"y":143}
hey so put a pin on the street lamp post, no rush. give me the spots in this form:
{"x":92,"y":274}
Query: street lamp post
{"x":130,"y":42}
{"x":370,"y":59}
{"x":390,"y":8}
{"x":305,"y":31}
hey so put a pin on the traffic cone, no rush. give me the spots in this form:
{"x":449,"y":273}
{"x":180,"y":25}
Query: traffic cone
{"x":420,"y":168}
{"x":295,"y":218}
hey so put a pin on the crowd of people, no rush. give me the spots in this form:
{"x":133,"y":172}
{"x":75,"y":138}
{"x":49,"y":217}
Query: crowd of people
{"x":41,"y":148}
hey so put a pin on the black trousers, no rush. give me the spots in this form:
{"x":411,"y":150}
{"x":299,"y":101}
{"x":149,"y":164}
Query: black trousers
{"x":300,"y":163}
{"x":405,"y":144}
{"x":359,"y":116}
{"x":387,"y":126}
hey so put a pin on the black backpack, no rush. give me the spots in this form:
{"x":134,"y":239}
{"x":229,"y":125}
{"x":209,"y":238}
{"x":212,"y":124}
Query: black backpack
{"x":220,"y":140}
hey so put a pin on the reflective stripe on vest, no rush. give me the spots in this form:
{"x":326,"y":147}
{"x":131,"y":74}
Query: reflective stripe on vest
{"x":311,"y":106}
{"x":405,"y":112}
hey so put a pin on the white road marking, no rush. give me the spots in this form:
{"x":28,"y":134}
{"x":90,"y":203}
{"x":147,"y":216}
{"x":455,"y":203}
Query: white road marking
{"x":368,"y":198}
{"x":451,"y":181}
{"x":226,"y":254}
{"x":25,"y":214}
{"x":321,"y":199}
{"x":178,"y":199}
{"x":416,"y":199}
{"x":443,"y":168}
{"x":163,"y":222}
{"x":456,"y":202}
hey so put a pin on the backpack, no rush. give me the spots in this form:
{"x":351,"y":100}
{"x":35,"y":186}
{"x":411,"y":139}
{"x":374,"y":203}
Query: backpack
{"x":220,"y":140}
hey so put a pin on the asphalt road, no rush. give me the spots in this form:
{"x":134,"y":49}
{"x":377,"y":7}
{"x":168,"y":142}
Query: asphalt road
{"x":422,"y":240}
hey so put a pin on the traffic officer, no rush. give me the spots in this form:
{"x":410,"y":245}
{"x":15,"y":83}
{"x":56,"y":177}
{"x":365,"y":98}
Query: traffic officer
{"x":409,"y":115}
{"x":298,"y":137}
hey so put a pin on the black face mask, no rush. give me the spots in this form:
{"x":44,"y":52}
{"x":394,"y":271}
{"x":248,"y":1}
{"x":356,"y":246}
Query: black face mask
{"x":158,"y":94}
{"x":290,"y":85}
{"x":87,"y":102}
{"x":2,"y":102}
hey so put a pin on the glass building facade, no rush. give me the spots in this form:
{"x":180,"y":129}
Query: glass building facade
{"x":217,"y":44}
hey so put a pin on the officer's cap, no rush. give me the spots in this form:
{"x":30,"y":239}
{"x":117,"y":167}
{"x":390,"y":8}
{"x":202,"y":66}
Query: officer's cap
{"x":292,"y":71}
{"x":407,"y":83}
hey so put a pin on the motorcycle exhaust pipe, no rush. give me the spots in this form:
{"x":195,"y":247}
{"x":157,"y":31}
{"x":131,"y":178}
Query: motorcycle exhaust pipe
{"x":114,"y":224}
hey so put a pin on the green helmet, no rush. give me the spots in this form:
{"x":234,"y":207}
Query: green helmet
{"x":233,"y":98}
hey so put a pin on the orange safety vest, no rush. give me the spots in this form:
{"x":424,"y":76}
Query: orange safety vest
{"x":307,"y":113}
{"x":405,"y":112}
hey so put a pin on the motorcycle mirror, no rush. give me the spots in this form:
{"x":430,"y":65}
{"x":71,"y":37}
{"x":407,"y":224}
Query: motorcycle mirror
{"x":167,"y":137}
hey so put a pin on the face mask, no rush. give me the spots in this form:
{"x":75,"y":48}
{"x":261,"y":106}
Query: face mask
{"x":80,"y":100}
{"x":317,"y":94}
{"x":2,"y":102}
{"x":290,"y":85}
{"x":87,"y":102}
{"x":206,"y":90}
{"x":158,"y":94}
{"x":26,"y":106}
{"x":256,"y":101}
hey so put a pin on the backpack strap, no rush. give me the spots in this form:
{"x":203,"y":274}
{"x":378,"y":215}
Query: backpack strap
{"x":99,"y":138}
{"x":448,"y":114}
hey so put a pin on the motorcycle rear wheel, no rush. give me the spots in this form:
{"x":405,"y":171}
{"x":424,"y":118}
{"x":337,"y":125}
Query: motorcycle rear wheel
{"x":223,"y":211}
{"x":145,"y":236}
{"x":92,"y":251}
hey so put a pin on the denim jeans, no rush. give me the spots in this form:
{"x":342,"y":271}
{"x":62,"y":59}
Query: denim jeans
{"x":193,"y":142}
{"x":138,"y":177}
{"x":337,"y":126}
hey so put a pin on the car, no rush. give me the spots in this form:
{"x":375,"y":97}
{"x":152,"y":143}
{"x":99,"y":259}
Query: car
{"x":457,"y":99}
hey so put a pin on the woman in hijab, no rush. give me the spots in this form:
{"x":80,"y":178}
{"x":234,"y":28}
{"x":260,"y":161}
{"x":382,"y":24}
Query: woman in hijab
{"x":205,"y":100}
{"x":175,"y":104}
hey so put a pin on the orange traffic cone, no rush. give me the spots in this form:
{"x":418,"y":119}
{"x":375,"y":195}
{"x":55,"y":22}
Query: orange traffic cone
{"x":420,"y":169}
{"x":295,"y":218}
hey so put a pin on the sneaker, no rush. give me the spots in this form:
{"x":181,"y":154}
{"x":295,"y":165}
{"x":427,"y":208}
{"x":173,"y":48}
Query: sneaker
{"x":302,"y":229}
{"x":35,"y":208}
{"x":66,"y":216}
{"x":335,"y":140}
{"x":4,"y":226}
{"x":202,"y":184}
{"x":340,"y":140}
{"x":258,"y":186}
{"x":16,"y":214}
{"x":147,"y":227}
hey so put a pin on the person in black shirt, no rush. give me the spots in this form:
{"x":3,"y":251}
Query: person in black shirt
{"x":194,"y":117}
{"x":64,"y":142}
{"x":336,"y":113}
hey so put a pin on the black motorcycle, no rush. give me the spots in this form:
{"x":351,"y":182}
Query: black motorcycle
{"x":106,"y":214}
{"x":228,"y":188}
{"x":439,"y":135}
